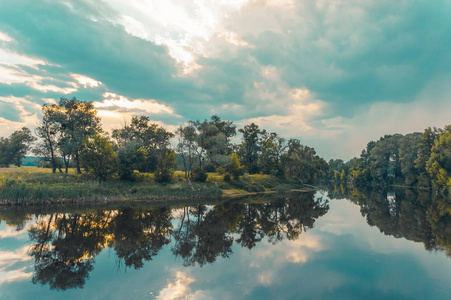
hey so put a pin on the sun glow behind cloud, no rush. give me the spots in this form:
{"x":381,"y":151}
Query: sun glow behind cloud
{"x":184,"y":27}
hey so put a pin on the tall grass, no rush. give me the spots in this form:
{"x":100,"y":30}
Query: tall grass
{"x":39,"y":186}
{"x":31,"y":185}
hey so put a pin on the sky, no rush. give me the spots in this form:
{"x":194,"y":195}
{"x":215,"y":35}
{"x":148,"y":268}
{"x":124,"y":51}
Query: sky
{"x":335,"y":74}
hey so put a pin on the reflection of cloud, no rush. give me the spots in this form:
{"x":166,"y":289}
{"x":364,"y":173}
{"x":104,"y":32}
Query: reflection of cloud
{"x":178,"y":288}
{"x":8,"y":276}
{"x":296,"y":251}
{"x":266,"y":278}
{"x":10,"y":231}
{"x":9,"y":259}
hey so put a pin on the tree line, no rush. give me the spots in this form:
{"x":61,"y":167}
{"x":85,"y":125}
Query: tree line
{"x":70,"y":135}
{"x":414,"y":159}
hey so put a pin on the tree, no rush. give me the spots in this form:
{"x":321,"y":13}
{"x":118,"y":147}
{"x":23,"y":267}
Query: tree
{"x":98,"y":157}
{"x":147,"y":137}
{"x":186,"y":147}
{"x":234,"y":168}
{"x":78,"y":121}
{"x":250,"y":146}
{"x":439,"y":164}
{"x":212,"y":142}
{"x":15,"y":147}
{"x":301,"y":162}
{"x":384,"y":162}
{"x":272,"y":147}
{"x":165,"y":172}
{"x":424,"y":153}
{"x":49,"y":132}
{"x":408,"y":154}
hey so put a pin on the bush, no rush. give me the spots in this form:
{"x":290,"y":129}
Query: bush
{"x":165,"y":172}
{"x":199,"y":175}
{"x":220,"y":171}
{"x":227,"y":177}
{"x":98,"y":157}
{"x":234,"y":168}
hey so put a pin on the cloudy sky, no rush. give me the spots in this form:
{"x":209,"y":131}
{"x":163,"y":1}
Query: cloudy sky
{"x":334,"y":73}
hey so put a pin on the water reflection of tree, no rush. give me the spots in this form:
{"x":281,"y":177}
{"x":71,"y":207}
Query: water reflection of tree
{"x":65,"y":245}
{"x":201,"y":238}
{"x":203,"y":235}
{"x":405,"y":213}
{"x":139,"y":235}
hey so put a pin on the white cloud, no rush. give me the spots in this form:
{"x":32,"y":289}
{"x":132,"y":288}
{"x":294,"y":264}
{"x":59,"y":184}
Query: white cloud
{"x":10,"y":58}
{"x":116,"y":108}
{"x":86,"y":81}
{"x":296,"y":107}
{"x":233,"y":38}
{"x":149,"y":106}
{"x":4,"y":37}
{"x":28,"y":114}
{"x":10,"y":74}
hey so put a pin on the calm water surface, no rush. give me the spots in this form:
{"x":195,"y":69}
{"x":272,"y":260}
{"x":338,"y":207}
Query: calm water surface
{"x":334,"y":244}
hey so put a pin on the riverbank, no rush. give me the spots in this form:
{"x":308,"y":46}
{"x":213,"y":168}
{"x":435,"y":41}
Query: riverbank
{"x":38,"y":186}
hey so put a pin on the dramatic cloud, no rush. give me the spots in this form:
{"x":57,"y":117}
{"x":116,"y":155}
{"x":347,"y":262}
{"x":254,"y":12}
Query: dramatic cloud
{"x":325,"y":71}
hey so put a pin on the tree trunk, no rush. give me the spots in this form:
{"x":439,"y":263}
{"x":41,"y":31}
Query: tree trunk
{"x":77,"y":162}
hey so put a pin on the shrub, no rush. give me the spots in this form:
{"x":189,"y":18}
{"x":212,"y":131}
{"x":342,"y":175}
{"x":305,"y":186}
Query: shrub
{"x":98,"y":157}
{"x":165,"y":172}
{"x":199,"y":175}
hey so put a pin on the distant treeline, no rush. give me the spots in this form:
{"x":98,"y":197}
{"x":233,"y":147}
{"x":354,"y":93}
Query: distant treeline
{"x":70,"y":135}
{"x":414,"y":159}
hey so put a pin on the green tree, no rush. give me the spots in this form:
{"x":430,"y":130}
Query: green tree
{"x":14,"y":148}
{"x":50,"y":134}
{"x":439,"y":164}
{"x":165,"y":172}
{"x":424,"y":153}
{"x":301,"y":162}
{"x":234,"y":168}
{"x":77,"y":121}
{"x":186,"y":147}
{"x":130,"y":157}
{"x":98,"y":157}
{"x":272,"y":147}
{"x":384,"y":159}
{"x":250,"y":146}
{"x":408,"y":154}
{"x":212,"y":142}
{"x":147,"y":137}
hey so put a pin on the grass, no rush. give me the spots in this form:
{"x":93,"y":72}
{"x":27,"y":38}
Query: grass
{"x":32,"y":185}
